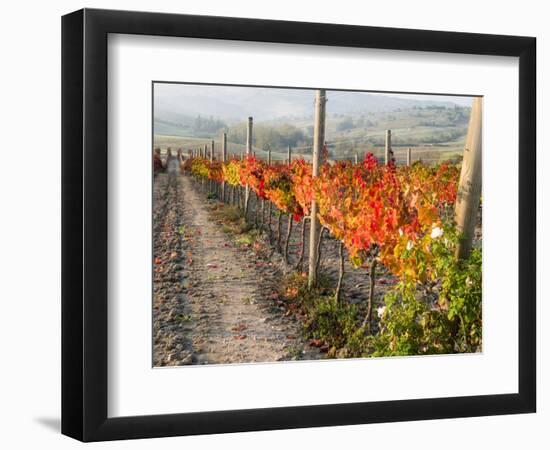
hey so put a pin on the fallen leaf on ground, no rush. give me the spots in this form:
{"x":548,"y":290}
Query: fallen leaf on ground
{"x":316,"y":342}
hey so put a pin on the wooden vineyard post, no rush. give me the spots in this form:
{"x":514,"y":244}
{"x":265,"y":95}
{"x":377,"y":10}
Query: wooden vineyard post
{"x":249,"y":136}
{"x":288,"y":234}
{"x":340,"y":272}
{"x":388,"y":153}
{"x":302,"y":247}
{"x":224,"y":160}
{"x":248,"y":152}
{"x":469,"y":185}
{"x":356,"y":158}
{"x":290,"y":217}
{"x":318,"y":141}
{"x":409,"y":156}
{"x":180,"y":158}
{"x":210,"y":181}
{"x":268,"y":202}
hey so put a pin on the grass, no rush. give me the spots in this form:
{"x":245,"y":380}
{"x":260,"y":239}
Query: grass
{"x":335,"y":327}
{"x":248,"y":238}
{"x":231,"y":218}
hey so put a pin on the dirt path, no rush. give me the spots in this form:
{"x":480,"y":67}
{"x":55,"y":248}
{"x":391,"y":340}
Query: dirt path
{"x":211,"y":301}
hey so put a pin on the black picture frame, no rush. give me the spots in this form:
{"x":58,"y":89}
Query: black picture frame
{"x":84,"y":224}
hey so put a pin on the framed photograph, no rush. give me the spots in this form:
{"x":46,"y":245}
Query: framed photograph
{"x":273,"y":225}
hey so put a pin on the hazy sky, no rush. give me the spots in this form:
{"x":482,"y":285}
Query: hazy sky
{"x":163,"y":90}
{"x":462,"y":101}
{"x":265,"y":103}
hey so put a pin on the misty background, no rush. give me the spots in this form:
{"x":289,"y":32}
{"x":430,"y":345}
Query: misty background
{"x":189,"y":115}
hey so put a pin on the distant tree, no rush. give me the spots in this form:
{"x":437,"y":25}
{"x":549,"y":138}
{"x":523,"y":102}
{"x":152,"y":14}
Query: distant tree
{"x":265,"y":136}
{"x":208,"y":126}
{"x":345,"y":124}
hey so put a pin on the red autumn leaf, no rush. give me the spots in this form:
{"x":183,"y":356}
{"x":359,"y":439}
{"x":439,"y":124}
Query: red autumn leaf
{"x":316,"y":342}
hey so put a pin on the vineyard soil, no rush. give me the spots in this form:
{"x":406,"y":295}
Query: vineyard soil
{"x":211,"y":302}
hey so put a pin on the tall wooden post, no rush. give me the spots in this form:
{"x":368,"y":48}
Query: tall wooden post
{"x":469,"y":185}
{"x":289,"y":158}
{"x":268,"y":156}
{"x":409,"y":156}
{"x":388,"y":154}
{"x":356,"y":158}
{"x":249,"y":136}
{"x":212,"y":152}
{"x":248,"y":153}
{"x":318,"y":141}
{"x":224,"y":160}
